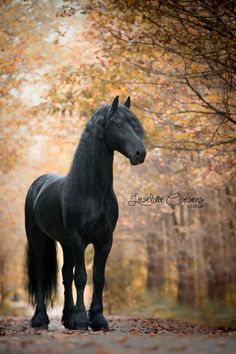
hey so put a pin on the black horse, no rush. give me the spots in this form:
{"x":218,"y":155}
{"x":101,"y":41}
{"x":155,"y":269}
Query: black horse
{"x":76,"y":210}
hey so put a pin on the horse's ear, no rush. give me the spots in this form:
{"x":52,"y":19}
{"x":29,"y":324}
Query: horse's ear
{"x":114,"y":104}
{"x":128,"y":102}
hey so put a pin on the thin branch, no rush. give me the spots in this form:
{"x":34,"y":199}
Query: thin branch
{"x":213,"y":135}
{"x":180,"y":148}
{"x":209,"y":105}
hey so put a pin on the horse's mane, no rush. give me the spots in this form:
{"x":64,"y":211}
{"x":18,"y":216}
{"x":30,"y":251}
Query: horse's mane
{"x":96,"y":124}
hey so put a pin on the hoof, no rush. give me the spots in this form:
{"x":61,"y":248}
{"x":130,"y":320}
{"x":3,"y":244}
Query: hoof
{"x":40,"y":320}
{"x":76,"y":320}
{"x":66,"y":317}
{"x":99,"y":323}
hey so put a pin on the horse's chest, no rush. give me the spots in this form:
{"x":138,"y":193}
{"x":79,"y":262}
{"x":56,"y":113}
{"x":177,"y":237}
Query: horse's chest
{"x":95,"y":224}
{"x":92,"y":219}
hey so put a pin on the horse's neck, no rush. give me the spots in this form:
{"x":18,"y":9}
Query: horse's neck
{"x":91,"y":170}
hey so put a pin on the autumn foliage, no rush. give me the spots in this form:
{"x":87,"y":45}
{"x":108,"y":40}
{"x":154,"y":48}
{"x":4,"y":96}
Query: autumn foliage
{"x":176,"y":60}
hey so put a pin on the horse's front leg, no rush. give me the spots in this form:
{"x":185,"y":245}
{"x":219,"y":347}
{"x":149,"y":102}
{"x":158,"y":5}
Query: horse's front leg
{"x":79,"y":318}
{"x":96,"y":318}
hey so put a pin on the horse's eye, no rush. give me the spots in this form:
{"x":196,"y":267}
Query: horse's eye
{"x":118,"y":124}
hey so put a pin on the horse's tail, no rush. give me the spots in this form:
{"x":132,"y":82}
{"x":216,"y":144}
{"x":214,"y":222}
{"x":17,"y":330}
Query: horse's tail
{"x":40,"y":260}
{"x":48,"y":271}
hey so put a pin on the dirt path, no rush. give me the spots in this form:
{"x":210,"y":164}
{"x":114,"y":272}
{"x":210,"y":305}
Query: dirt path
{"x":127,"y":335}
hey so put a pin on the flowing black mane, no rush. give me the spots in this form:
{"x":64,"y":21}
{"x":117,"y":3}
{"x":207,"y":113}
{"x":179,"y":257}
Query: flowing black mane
{"x":94,"y":132}
{"x":91,"y":149}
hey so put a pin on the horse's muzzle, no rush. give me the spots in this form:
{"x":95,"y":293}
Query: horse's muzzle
{"x":138,"y":158}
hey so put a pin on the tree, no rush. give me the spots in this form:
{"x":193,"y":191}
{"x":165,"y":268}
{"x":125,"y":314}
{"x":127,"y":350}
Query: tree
{"x":184,"y":48}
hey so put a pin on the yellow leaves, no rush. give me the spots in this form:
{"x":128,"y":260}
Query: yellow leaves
{"x":3,"y":37}
{"x":149,"y":127}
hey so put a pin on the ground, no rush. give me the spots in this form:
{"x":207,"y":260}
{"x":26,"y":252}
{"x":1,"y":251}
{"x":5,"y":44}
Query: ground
{"x":127,"y":335}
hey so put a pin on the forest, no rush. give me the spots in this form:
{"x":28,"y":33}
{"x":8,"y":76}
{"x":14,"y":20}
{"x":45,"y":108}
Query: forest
{"x":174,"y":246}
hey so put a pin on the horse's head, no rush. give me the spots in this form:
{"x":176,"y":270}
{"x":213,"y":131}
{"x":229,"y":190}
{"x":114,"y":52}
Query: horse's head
{"x":124,"y":132}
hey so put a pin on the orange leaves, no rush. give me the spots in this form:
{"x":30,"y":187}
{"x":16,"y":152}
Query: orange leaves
{"x":8,"y":65}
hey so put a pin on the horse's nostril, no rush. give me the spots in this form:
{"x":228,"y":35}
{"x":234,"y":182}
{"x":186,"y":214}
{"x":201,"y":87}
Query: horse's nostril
{"x":138,"y":153}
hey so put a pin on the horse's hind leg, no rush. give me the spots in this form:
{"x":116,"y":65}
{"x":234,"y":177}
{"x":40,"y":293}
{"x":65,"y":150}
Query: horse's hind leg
{"x":67,"y":274}
{"x":41,"y":272}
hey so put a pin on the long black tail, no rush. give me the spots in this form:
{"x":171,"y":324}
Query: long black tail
{"x":49,"y":272}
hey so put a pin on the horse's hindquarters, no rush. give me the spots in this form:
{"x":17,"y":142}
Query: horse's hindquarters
{"x":47,"y":210}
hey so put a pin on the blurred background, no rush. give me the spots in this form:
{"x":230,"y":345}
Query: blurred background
{"x":59,"y":61}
